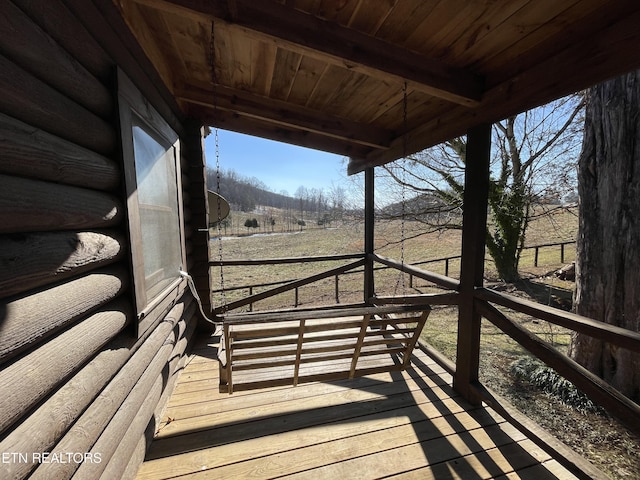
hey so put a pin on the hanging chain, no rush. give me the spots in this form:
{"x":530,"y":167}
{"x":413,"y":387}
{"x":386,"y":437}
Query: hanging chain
{"x":404,"y":181}
{"x":214,"y":80}
{"x":403,"y":188}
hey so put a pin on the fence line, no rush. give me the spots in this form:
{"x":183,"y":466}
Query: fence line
{"x":324,"y":258}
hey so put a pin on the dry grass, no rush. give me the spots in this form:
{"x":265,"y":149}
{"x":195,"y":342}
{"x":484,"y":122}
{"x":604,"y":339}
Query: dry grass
{"x":599,"y":438}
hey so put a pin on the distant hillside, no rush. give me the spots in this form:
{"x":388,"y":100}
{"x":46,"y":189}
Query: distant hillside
{"x":245,"y":194}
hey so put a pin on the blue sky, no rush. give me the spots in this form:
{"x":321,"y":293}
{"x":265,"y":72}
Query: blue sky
{"x":280,"y":166}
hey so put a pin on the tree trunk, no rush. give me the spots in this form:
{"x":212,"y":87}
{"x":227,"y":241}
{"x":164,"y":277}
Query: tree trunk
{"x":505,"y":238}
{"x":608,"y":256}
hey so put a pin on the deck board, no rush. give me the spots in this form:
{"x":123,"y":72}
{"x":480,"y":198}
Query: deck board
{"x":408,"y":424}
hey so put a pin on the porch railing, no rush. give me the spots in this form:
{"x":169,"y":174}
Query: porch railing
{"x":446,"y":261}
{"x":485,"y":303}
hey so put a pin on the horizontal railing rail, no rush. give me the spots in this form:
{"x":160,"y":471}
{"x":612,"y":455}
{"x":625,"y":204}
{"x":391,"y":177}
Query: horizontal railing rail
{"x":289,"y":286}
{"x":449,"y":298}
{"x":593,"y":386}
{"x":441,"y":280}
{"x":283,"y":260}
{"x":326,"y":258}
{"x":386,"y":263}
{"x":594,"y":328}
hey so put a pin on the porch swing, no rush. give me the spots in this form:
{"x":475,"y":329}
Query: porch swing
{"x":288,"y":347}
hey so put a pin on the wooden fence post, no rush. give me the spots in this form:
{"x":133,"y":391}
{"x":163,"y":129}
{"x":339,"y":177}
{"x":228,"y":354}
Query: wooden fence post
{"x":474,"y":226}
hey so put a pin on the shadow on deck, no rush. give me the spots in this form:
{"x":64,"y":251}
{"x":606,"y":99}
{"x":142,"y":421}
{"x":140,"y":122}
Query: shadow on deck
{"x":408,"y":424}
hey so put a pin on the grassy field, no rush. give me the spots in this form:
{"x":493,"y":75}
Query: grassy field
{"x":598,"y":437}
{"x":347,"y":237}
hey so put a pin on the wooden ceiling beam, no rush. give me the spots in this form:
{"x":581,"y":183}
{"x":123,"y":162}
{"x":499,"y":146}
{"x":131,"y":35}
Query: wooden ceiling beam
{"x":228,"y":120}
{"x":284,"y":114}
{"x":271,"y":21}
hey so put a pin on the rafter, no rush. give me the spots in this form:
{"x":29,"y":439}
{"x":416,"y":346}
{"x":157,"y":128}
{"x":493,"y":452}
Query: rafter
{"x":232,"y":121}
{"x":283,"y":114}
{"x":336,"y":44}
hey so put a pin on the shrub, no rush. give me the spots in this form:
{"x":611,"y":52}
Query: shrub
{"x":547,"y":380}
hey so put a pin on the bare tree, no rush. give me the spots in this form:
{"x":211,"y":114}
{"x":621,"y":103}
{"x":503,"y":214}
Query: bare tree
{"x":302,"y":195}
{"x":534,"y":157}
{"x":337,"y":197}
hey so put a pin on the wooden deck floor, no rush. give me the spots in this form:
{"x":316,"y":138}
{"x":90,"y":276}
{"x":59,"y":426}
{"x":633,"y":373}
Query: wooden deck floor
{"x":407,"y":424}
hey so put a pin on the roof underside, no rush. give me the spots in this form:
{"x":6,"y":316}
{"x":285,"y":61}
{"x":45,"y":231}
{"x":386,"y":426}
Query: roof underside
{"x":332,"y":74}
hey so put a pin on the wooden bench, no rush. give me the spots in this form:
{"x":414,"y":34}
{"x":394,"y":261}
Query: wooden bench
{"x":259,"y":350}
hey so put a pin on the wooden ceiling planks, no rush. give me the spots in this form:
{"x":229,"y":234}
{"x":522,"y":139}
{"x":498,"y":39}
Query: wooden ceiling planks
{"x":526,"y":27}
{"x":311,"y":6}
{"x":223,"y":53}
{"x":322,"y":72}
{"x":344,"y":96}
{"x":159,"y":51}
{"x":406,"y":17}
{"x":457,"y":25}
{"x":298,"y":31}
{"x":309,"y":75}
{"x":497,"y":31}
{"x":560,"y":32}
{"x":420,"y":109}
{"x":534,"y":87}
{"x":485,"y":28}
{"x":370,"y":15}
{"x":414,"y":25}
{"x":368,"y":101}
{"x":263,"y":59}
{"x":185,"y":34}
{"x":240,"y":66}
{"x":382,"y":103}
{"x":284,"y":73}
{"x":339,"y":12}
{"x":288,"y":28}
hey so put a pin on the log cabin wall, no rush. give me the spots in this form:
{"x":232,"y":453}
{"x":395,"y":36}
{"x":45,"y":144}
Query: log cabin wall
{"x":75,"y":380}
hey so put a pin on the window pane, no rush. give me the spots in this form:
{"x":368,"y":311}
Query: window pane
{"x":158,"y":203}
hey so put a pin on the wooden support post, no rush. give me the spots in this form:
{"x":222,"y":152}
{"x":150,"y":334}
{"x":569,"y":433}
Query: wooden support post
{"x":535,"y":257}
{"x":369,"y":219}
{"x":474,"y":226}
{"x":562,"y":252}
{"x":337,"y":289}
{"x":192,"y":151}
